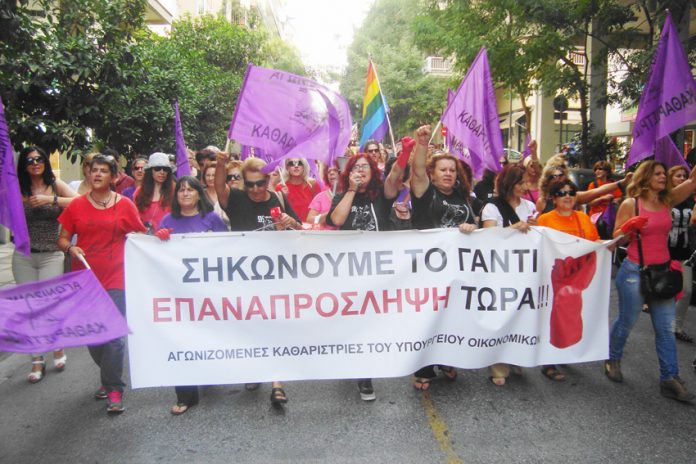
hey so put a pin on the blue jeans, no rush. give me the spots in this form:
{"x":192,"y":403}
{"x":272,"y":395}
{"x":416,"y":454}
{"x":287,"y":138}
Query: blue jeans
{"x":109,"y":356}
{"x":661,"y":313}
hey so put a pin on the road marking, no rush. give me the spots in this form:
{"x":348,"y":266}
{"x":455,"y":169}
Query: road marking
{"x":440,"y":430}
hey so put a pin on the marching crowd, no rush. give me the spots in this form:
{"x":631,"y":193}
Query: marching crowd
{"x":419,"y":188}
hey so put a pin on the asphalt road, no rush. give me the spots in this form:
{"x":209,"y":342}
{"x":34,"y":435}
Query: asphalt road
{"x":586,"y":419}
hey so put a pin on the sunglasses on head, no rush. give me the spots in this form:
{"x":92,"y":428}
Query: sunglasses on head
{"x":35,"y":160}
{"x":161,"y":168}
{"x":565,"y":193}
{"x":258,"y":183}
{"x":293,"y":163}
{"x":233,"y":177}
{"x":554,"y":176}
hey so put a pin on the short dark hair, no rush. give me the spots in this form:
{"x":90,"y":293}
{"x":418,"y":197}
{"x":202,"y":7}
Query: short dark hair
{"x":107,"y":160}
{"x":557,"y":185}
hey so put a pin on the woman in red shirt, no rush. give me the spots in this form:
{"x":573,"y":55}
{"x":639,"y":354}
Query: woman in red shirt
{"x":298,"y":186}
{"x":101,"y":219}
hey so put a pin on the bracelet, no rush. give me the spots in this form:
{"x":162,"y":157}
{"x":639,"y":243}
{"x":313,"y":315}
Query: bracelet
{"x":351,"y":190}
{"x":55,"y":200}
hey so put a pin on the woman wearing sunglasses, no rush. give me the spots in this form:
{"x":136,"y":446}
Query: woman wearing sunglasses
{"x":250,"y":209}
{"x":101,"y":220}
{"x":298,"y":186}
{"x":154,"y":198}
{"x":43,"y":198}
{"x":564,"y":218}
{"x":556,"y":169}
{"x":138,"y":171}
{"x":234,"y":174}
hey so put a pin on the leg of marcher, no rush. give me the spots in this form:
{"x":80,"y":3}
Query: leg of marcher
{"x":683,"y":305}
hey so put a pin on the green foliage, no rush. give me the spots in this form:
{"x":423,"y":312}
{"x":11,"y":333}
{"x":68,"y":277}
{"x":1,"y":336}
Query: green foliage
{"x":413,"y":97}
{"x":81,"y":73}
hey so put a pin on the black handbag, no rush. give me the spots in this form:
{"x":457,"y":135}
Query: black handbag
{"x":657,"y":281}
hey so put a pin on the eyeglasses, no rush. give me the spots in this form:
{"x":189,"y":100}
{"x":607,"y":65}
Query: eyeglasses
{"x":554,"y":176}
{"x":138,"y":168}
{"x":565,"y":193}
{"x":360,"y":167}
{"x":259,"y":183}
{"x":372,"y":150}
{"x":233,"y":177}
{"x":293,"y":163}
{"x":36,"y":160}
{"x":161,"y":168}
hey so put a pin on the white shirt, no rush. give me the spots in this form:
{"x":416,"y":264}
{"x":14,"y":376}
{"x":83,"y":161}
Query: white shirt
{"x":525,"y":209}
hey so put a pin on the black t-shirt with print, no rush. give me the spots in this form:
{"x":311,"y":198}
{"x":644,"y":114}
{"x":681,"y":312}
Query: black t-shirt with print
{"x":246,"y":215}
{"x":365,"y":214}
{"x":435,"y":210}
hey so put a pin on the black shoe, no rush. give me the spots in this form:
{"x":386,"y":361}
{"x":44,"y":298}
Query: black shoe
{"x":675,"y":390}
{"x":367,"y":393}
{"x":683,"y":337}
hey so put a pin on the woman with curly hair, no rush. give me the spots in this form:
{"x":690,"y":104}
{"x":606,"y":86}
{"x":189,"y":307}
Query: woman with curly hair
{"x":154,"y":198}
{"x":644,"y":220}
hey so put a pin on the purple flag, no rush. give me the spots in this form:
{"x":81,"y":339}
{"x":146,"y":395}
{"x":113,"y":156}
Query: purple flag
{"x":11,"y":209}
{"x":668,"y":101}
{"x":182,"y":165}
{"x":69,"y":310}
{"x":472,"y":119}
{"x":287,"y":116}
{"x":527,"y":152}
{"x":668,"y":153}
{"x":246,"y":152}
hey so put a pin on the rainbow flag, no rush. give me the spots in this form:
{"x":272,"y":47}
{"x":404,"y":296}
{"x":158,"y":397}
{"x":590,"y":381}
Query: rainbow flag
{"x":374,"y":112}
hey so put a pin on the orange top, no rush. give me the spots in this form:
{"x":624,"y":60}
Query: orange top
{"x":578,"y":224}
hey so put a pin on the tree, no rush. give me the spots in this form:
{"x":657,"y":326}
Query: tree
{"x":413,"y":97}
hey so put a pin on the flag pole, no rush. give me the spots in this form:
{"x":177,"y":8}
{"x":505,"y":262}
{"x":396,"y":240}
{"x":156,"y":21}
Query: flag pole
{"x":432,"y":135}
{"x":386,"y":113}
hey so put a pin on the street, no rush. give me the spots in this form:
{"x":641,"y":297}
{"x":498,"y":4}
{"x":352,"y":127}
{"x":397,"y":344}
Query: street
{"x":532,"y":419}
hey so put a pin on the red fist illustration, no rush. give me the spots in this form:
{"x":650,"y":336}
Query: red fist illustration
{"x":569,"y":278}
{"x":163,"y":234}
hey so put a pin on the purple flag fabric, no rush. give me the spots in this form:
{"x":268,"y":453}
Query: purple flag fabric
{"x":527,"y":152}
{"x":11,"y":209}
{"x":472,"y":119}
{"x":246,"y":152}
{"x":287,"y":116}
{"x":182,"y":165}
{"x":668,"y":101}
{"x":65,"y":311}
{"x":668,"y":153}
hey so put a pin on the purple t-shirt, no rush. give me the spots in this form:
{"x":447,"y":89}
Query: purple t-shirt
{"x":211,"y":222}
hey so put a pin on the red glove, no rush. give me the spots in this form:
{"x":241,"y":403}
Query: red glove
{"x":407,"y":144}
{"x":634,"y":224}
{"x":163,"y":234}
{"x":569,"y":278}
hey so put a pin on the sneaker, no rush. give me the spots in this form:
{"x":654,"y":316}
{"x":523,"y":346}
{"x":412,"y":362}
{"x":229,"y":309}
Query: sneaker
{"x":367,"y":393}
{"x":675,"y":390}
{"x":115,"y":404}
{"x":101,"y":393}
{"x":612,"y":368}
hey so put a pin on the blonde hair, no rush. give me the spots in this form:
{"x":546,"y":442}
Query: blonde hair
{"x":253,"y":165}
{"x":305,"y":173}
{"x":640,"y":183}
{"x":546,"y":179}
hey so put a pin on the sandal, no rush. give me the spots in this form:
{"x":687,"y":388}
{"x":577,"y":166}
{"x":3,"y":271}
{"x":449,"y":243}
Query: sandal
{"x":449,"y":372}
{"x":36,"y":376}
{"x":552,"y":373}
{"x":278,"y":396}
{"x":421,"y":383}
{"x":497,"y":381}
{"x":683,"y":336}
{"x":180,"y":408}
{"x":59,"y":362}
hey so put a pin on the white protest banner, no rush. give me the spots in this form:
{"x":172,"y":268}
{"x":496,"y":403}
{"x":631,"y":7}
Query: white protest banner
{"x":224,"y":308}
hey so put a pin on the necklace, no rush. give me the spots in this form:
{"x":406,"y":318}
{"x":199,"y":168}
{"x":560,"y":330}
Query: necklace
{"x":103,"y":204}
